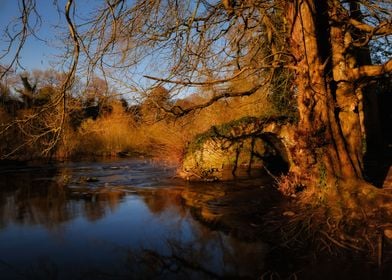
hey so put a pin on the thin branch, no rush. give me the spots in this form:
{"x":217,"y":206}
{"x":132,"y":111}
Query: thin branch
{"x":23,"y":34}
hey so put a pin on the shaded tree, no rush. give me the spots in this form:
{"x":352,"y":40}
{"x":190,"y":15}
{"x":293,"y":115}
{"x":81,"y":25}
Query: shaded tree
{"x":35,"y":119}
{"x":10,"y":103}
{"x":27,"y":91}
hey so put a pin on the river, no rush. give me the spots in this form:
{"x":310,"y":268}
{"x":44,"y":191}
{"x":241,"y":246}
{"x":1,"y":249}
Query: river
{"x":124,"y":219}
{"x":132,"y":219}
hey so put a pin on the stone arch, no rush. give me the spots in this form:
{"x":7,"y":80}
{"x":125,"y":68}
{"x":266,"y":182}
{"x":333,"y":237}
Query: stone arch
{"x":245,"y":144}
{"x":280,"y":161}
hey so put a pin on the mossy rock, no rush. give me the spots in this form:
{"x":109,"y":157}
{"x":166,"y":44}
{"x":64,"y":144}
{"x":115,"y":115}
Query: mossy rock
{"x":230,"y":150}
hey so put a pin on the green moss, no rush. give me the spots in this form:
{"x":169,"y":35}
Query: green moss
{"x":323,"y":175}
{"x":243,"y":125}
{"x":281,"y":94}
{"x":226,"y":145}
{"x":364,"y":145}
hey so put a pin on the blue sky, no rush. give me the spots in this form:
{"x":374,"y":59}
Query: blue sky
{"x":36,"y":54}
{"x":40,"y":54}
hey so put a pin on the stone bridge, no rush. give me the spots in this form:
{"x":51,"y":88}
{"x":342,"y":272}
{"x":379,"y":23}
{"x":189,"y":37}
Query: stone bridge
{"x":241,"y":148}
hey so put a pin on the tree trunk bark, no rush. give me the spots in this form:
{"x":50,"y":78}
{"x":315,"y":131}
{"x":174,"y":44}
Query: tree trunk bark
{"x":346,"y":95}
{"x":327,"y":130}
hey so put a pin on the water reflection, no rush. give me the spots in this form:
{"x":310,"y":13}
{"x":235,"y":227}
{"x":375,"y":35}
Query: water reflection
{"x":126,"y":220}
{"x":132,"y":220}
{"x":32,"y":198}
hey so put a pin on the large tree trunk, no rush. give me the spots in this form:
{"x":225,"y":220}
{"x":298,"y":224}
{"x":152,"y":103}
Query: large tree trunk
{"x":368,"y":104}
{"x":347,"y":101}
{"x":328,"y":132}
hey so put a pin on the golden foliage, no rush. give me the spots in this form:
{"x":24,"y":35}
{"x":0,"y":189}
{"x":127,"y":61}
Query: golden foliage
{"x":115,"y":129}
{"x":164,"y":138}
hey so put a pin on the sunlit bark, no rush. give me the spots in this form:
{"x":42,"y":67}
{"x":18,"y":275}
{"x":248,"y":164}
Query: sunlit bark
{"x":327,"y":79}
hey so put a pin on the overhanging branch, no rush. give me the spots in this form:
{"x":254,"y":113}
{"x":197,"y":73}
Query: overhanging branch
{"x":371,"y":70}
{"x":221,"y":81}
{"x":179,"y":111}
{"x":190,"y":83}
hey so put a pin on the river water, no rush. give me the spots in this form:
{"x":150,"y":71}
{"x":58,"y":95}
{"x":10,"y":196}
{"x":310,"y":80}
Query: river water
{"x":127,"y":219}
{"x":132,"y":219}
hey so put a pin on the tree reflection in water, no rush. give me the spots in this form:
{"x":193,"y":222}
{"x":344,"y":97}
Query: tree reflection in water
{"x":38,"y":199}
{"x":131,"y":220}
{"x":85,"y":222}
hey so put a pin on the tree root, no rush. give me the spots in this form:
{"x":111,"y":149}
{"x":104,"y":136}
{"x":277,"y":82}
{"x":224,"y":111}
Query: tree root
{"x":355,"y":230}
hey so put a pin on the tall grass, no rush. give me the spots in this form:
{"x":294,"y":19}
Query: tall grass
{"x":119,"y":131}
{"x":167,"y":139}
{"x":106,"y":136}
{"x":164,"y":139}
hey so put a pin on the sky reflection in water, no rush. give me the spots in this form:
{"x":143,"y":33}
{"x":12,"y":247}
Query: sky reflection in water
{"x":115,"y":220}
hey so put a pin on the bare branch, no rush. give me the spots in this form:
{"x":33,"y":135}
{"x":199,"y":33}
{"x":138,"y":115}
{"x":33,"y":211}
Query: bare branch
{"x":190,"y":83}
{"x":220,"y":81}
{"x":21,"y":35}
{"x":371,"y":70}
{"x":384,"y":28}
{"x":179,"y":111}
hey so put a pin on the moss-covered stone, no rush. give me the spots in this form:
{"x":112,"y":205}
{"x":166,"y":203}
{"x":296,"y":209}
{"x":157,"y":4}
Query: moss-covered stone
{"x":233,"y":149}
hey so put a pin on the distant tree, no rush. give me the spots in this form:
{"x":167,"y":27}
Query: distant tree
{"x":34,"y":93}
{"x":124,"y":104}
{"x":155,"y":104}
{"x":36,"y":114}
{"x":4,"y":92}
